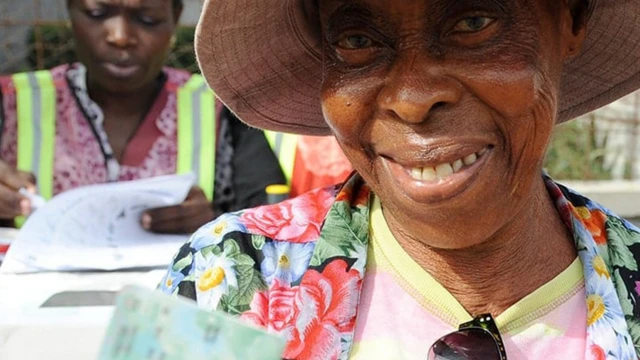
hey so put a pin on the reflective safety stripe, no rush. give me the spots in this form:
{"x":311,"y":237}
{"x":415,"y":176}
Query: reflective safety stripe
{"x":197,"y":133}
{"x":36,"y":112}
{"x":284,"y":146}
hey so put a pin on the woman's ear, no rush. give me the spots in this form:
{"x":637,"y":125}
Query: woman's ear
{"x":575,"y":15}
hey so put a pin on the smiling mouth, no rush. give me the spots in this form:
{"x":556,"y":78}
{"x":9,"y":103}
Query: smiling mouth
{"x":434,"y":182}
{"x":444,"y":170}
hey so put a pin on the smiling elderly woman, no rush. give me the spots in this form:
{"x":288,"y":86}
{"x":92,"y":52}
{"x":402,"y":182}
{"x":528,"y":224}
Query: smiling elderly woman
{"x":449,"y":242}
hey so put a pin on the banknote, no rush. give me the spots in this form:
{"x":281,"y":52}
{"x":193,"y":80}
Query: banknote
{"x":149,"y":325}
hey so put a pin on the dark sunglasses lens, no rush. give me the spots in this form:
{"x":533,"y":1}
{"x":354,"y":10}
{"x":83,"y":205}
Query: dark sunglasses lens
{"x":467,"y":344}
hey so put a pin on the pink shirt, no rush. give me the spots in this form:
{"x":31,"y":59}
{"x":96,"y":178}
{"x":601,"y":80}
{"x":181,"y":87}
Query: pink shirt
{"x":403,"y":313}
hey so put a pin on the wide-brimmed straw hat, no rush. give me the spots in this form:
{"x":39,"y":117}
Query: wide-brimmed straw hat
{"x":263,"y":59}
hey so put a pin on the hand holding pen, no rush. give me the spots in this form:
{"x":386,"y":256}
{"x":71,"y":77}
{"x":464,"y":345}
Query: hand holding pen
{"x":14,"y":201}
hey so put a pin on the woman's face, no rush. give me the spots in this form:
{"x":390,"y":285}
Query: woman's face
{"x":123,"y":43}
{"x":446,"y":107}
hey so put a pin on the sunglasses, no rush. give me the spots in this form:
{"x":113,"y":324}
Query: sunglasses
{"x":477,"y":339}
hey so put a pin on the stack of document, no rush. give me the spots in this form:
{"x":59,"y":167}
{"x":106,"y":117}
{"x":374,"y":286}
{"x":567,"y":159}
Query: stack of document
{"x":98,"y":228}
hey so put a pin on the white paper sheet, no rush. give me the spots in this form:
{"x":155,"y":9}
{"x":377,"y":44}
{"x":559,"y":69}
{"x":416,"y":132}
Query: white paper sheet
{"x":98,"y":228}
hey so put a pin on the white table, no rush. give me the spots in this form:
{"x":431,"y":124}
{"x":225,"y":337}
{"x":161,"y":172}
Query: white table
{"x":29,"y":331}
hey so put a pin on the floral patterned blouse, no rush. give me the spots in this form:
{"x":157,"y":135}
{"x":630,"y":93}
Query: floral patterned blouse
{"x":296,"y":268}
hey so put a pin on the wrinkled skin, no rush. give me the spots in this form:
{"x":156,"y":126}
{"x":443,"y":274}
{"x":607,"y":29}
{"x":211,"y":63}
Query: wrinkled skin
{"x":411,"y":82}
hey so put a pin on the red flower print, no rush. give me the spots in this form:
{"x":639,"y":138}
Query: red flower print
{"x":344,"y":194}
{"x":596,"y":353}
{"x":594,"y":221}
{"x":272,"y":310}
{"x":297,"y":220}
{"x":324,"y":308}
{"x":361,"y":198}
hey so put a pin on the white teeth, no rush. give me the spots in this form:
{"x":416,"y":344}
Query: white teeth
{"x":468,"y":160}
{"x":416,"y":173}
{"x":429,"y":174}
{"x":457,"y":165}
{"x":444,"y":170}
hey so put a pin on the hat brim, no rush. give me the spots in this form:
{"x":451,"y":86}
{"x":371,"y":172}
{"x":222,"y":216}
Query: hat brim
{"x":264,"y":61}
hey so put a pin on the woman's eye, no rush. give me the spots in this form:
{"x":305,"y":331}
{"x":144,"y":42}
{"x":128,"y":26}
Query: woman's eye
{"x":148,"y":20}
{"x":355,"y":42}
{"x":473,"y":24}
{"x":96,"y":13}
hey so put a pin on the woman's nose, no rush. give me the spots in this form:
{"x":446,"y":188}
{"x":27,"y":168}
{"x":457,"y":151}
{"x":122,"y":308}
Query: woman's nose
{"x":415,"y":88}
{"x":120,"y":32}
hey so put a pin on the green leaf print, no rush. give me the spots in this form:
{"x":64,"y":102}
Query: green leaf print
{"x":179,"y":265}
{"x":231,"y":248}
{"x":225,"y":302}
{"x":619,"y":239}
{"x":243,"y":260}
{"x":257,"y":241}
{"x":633,"y":325}
{"x":345,"y":233}
{"x":616,"y":229}
{"x":623,"y":293}
{"x":232,"y":251}
{"x":223,"y":305}
{"x":249,"y":281}
{"x":210,"y":250}
{"x":226,"y":305}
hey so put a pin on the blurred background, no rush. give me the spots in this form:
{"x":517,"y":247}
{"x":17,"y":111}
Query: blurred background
{"x":34,"y":35}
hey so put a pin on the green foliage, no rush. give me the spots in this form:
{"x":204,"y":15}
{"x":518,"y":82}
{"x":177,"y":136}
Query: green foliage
{"x":578,"y":150}
{"x":52,"y":45}
{"x":49,"y":45}
{"x":183,"y":56}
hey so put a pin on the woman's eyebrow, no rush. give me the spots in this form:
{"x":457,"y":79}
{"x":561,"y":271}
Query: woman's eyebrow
{"x":350,"y":10}
{"x":151,"y":3}
{"x":101,"y":2}
{"x":499,"y":5}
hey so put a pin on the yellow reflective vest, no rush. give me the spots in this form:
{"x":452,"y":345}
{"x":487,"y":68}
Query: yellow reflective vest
{"x":196,"y":135}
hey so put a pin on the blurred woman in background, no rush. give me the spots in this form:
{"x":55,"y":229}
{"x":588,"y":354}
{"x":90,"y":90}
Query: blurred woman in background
{"x":119,"y":114}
